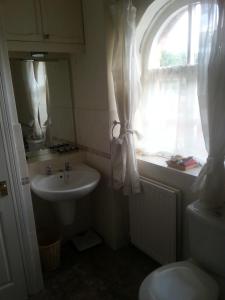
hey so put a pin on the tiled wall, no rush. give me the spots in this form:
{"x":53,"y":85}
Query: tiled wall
{"x":93,"y":115}
{"x":90,"y":82}
{"x":56,"y":161}
{"x":93,"y":129}
{"x":110,"y":216}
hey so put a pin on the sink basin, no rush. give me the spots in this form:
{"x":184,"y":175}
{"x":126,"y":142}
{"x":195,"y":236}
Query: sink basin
{"x":69,"y":185}
{"x":64,"y":188}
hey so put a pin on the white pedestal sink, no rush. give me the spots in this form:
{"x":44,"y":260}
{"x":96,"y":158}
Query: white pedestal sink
{"x":64,"y":188}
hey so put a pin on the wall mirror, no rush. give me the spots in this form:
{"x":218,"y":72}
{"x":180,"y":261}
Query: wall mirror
{"x":44,"y":99}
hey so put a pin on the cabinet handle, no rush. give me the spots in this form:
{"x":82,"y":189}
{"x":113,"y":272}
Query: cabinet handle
{"x":46,"y":36}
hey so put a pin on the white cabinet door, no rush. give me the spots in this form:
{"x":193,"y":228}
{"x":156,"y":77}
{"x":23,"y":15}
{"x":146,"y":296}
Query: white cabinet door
{"x":12,"y":279}
{"x":22,"y":20}
{"x":62,"y":20}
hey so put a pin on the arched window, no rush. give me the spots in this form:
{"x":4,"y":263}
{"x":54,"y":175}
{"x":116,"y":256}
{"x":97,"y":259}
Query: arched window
{"x":168,"y":117}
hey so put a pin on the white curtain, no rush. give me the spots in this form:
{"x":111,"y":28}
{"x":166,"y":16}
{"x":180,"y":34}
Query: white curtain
{"x":211,"y":91}
{"x":34,"y":82}
{"x":168,"y":114}
{"x":126,"y":87}
{"x":41,"y":80}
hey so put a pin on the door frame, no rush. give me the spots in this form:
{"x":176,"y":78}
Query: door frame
{"x":18,"y":175}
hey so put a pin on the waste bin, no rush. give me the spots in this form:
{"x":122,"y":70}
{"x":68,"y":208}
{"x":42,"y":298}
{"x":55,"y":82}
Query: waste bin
{"x":49,"y":241}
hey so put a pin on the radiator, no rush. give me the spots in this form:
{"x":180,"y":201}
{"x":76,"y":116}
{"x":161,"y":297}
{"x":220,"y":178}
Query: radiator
{"x":154,"y":221}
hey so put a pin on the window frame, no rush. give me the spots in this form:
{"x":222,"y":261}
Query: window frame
{"x":154,"y":17}
{"x":156,"y":14}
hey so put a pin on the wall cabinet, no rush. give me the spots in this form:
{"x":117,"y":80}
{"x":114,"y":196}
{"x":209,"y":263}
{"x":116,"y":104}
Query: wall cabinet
{"x":43,"y":21}
{"x":21,"y":20}
{"x":62,"y":20}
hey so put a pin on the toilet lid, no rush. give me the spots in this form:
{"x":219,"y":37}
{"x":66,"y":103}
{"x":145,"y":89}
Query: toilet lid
{"x":179,"y":281}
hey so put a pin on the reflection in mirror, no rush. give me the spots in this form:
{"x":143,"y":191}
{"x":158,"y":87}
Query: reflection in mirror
{"x":44,"y":102}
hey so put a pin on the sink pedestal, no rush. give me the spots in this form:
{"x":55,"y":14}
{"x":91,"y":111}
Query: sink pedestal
{"x":65,"y":211}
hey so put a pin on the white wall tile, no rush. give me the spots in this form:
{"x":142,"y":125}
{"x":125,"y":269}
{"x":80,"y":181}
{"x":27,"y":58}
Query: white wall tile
{"x":57,"y":162}
{"x":93,"y":129}
{"x":110,"y":215}
{"x":99,"y":162}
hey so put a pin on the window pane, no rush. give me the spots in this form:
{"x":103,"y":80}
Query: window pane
{"x":168,"y":117}
{"x":195,"y":31}
{"x":170,"y":45}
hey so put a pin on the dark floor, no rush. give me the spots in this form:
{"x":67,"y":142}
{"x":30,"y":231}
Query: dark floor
{"x":97,"y":274}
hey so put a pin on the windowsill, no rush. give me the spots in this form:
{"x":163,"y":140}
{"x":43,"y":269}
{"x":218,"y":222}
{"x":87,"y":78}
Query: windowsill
{"x":161,"y":161}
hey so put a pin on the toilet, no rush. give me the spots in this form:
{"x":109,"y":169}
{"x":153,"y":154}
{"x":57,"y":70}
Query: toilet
{"x":203,"y":276}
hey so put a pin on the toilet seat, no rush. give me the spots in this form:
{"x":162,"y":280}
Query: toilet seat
{"x":179,"y":281}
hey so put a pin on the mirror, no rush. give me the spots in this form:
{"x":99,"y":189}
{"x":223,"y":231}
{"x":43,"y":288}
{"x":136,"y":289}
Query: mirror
{"x":44,"y":101}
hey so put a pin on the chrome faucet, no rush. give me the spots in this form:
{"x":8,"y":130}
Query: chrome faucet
{"x":48,"y":170}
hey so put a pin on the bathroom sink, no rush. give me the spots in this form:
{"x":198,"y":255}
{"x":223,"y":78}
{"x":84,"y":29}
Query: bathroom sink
{"x":64,"y":188}
{"x":66,"y":185}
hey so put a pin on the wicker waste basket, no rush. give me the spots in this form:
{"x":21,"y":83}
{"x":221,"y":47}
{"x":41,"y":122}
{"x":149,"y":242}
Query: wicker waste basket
{"x":49,"y":246}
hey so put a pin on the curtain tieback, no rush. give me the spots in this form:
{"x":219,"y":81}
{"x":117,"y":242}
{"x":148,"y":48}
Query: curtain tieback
{"x":125,"y":132}
{"x":115,"y":123}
